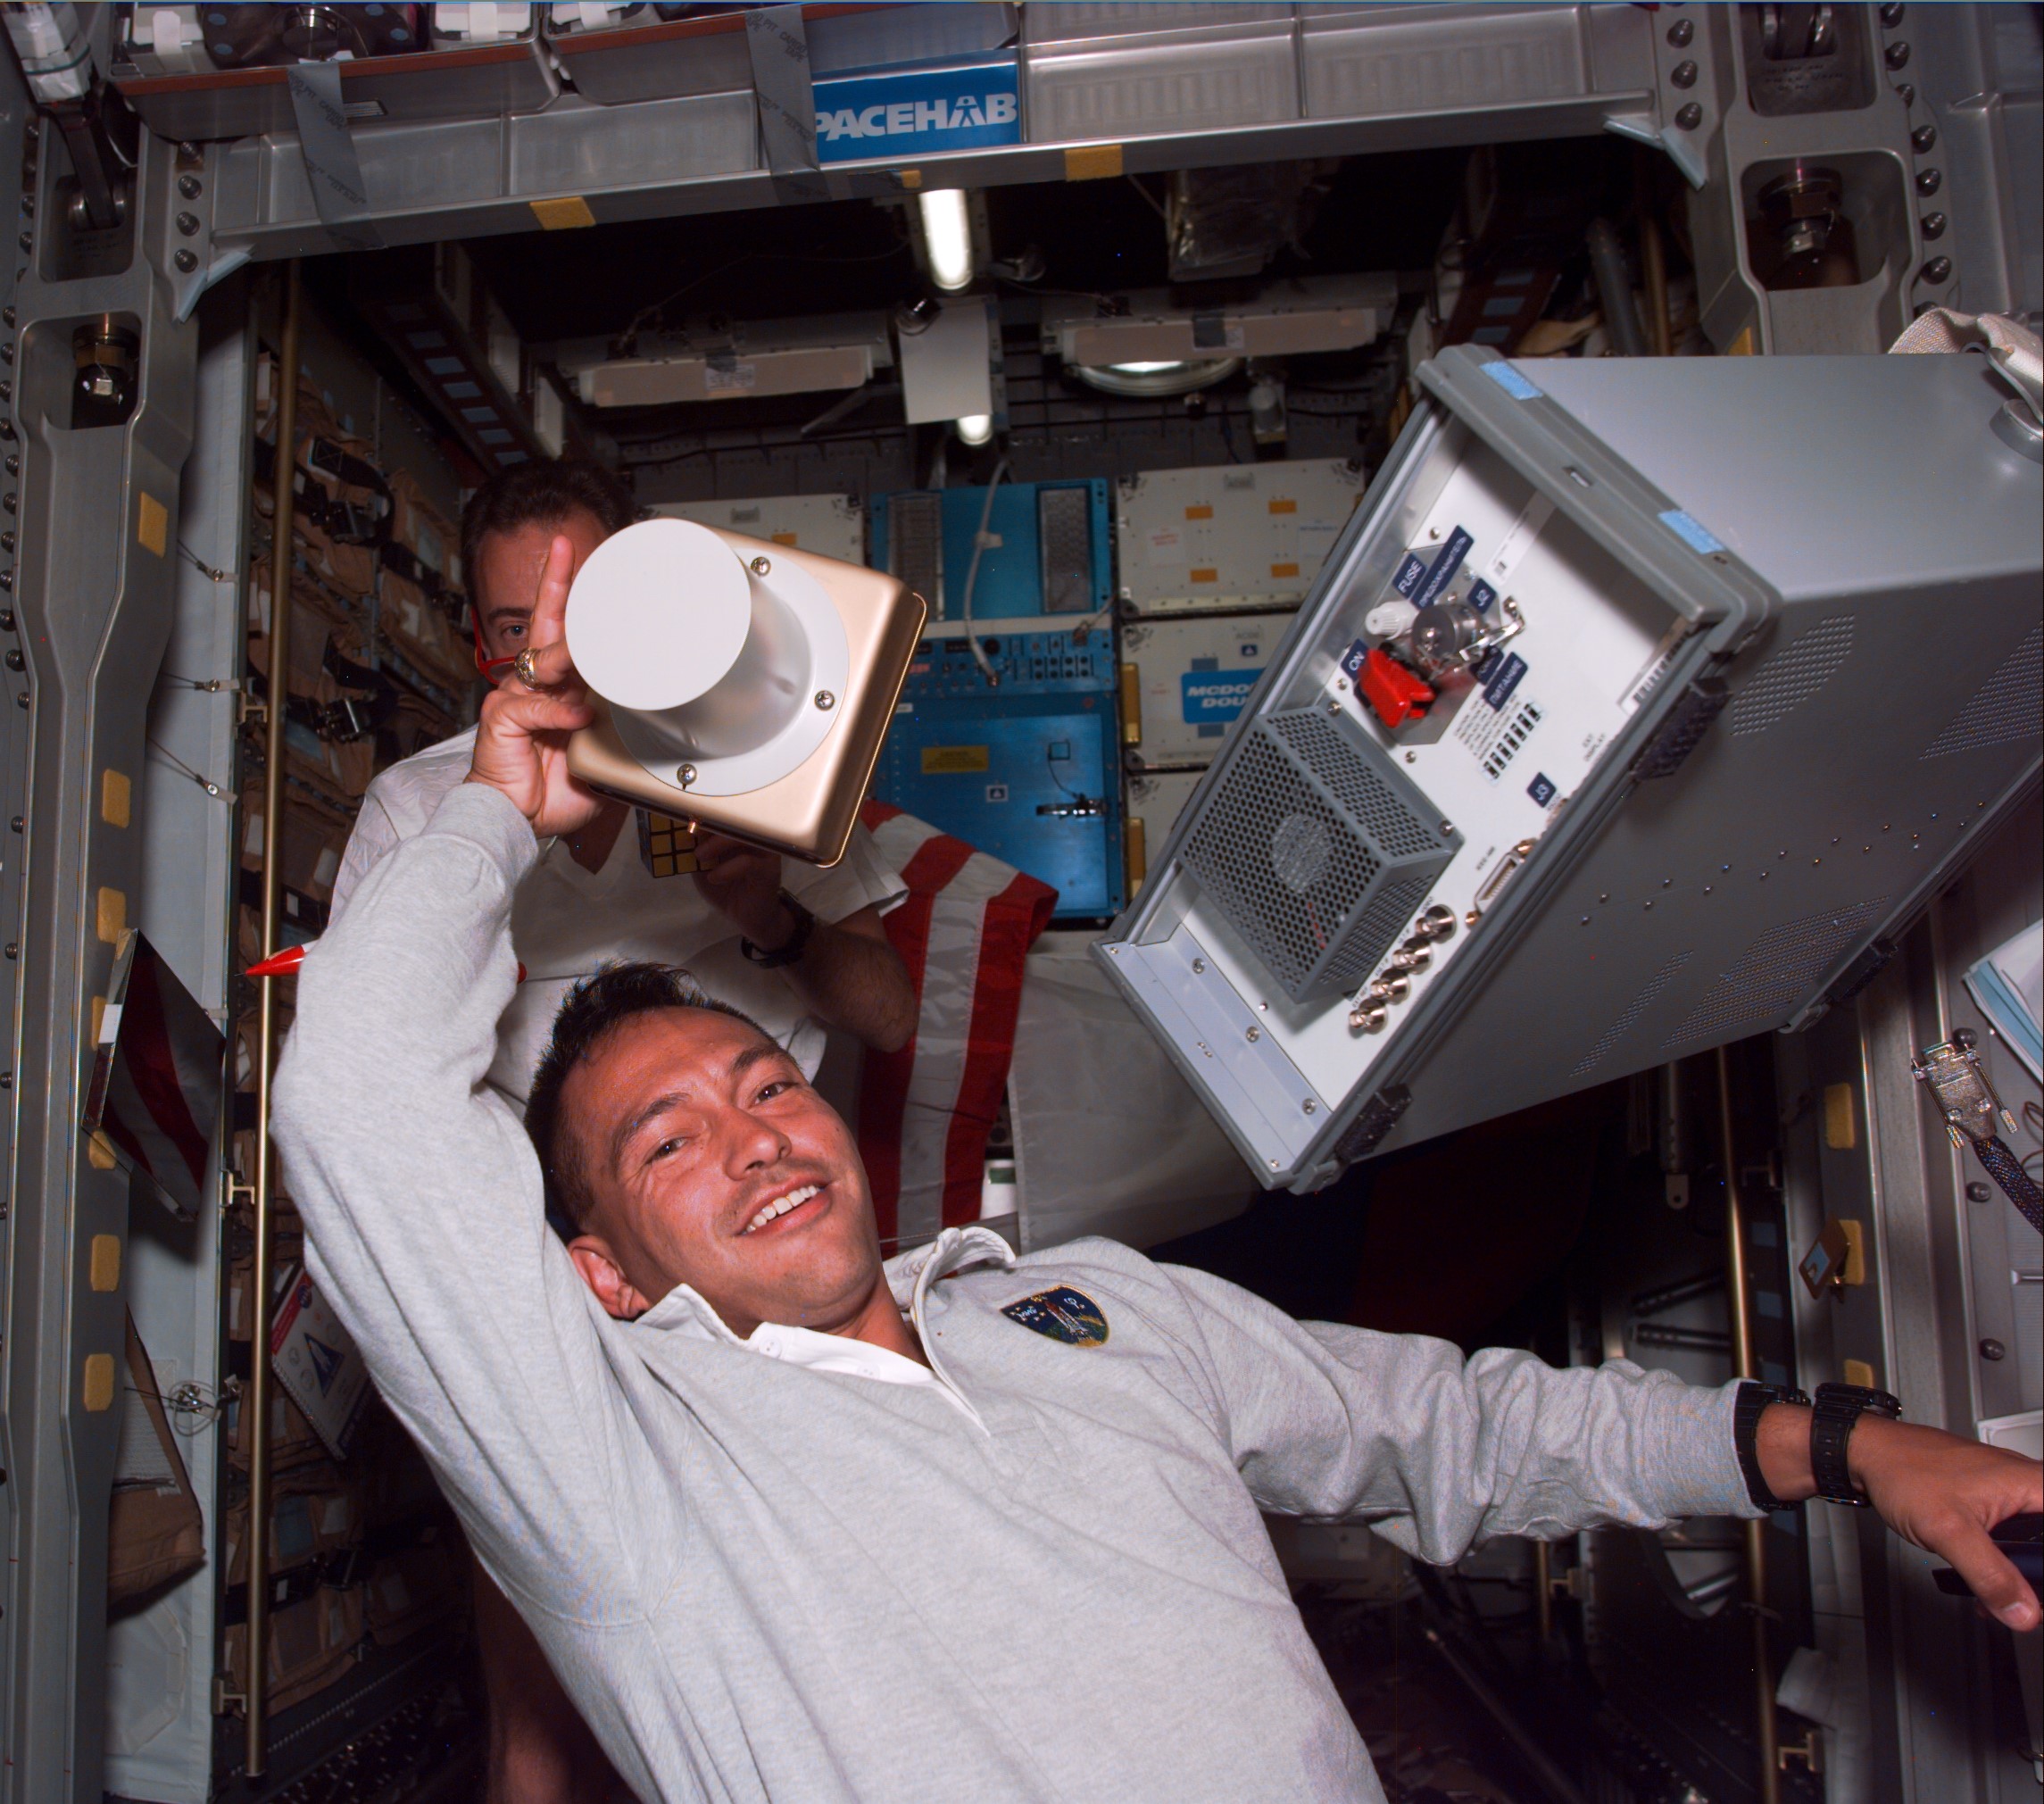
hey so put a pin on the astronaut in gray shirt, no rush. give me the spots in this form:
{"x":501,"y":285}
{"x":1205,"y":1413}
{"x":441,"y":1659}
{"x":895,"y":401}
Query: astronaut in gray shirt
{"x":792,"y":1523}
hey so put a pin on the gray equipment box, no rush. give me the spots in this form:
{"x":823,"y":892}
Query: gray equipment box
{"x":1775,"y":668}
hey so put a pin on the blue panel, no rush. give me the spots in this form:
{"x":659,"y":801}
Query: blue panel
{"x":910,"y":112}
{"x":1028,"y":772}
{"x":1011,"y":574}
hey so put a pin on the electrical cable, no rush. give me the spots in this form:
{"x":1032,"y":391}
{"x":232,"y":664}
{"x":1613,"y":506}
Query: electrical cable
{"x":979,"y":540}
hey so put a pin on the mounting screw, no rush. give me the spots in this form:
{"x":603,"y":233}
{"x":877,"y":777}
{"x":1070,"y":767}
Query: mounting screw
{"x":27,"y":241}
{"x":1938,"y":269}
{"x":6,"y":316}
{"x":686,"y":775}
{"x":7,"y":1083}
{"x":760,"y":567}
{"x":825,"y":699}
{"x":7,"y":580}
{"x":1896,"y":54}
{"x":1199,"y":967}
{"x":22,"y":701}
{"x":6,"y":620}
{"x":185,"y":259}
{"x":1681,"y":32}
{"x":15,"y":660}
{"x":189,"y":186}
{"x":1931,"y":225}
{"x":13,"y":949}
{"x":1928,"y":181}
{"x":1977,"y":1191}
{"x":1253,"y":1036}
{"x":1307,"y":1106}
{"x":1923,"y":138}
{"x":1891,"y":15}
{"x":1992,"y":1349}
{"x":12,"y":464}
{"x":187,"y":223}
{"x":6,"y":353}
{"x":1684,"y":75}
{"x":1688,"y":117}
{"x":10,"y":502}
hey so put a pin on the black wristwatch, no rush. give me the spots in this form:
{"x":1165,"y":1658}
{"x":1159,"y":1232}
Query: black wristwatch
{"x":805,"y":925}
{"x":1748,"y":1408}
{"x":1838,"y":1407}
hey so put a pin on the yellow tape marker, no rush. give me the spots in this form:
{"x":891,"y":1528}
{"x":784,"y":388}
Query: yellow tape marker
{"x":98,"y":1382}
{"x":1841,"y":1131}
{"x":106,"y":1263}
{"x":563,"y":215}
{"x":152,"y":523}
{"x":954,"y":760}
{"x":1279,"y":504}
{"x":98,"y":1017}
{"x":1086,"y":162}
{"x":113,"y":914}
{"x":1858,"y":1372}
{"x":1854,"y":1271}
{"x":1199,"y":510}
{"x":1284,"y":569}
{"x":910,"y":177}
{"x":99,"y":1154}
{"x":1213,"y":576}
{"x":1743,"y":346}
{"x":116,"y":798}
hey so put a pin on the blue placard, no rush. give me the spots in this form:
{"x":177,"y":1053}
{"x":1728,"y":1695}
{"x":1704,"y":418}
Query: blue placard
{"x":1212,"y":698}
{"x":1354,"y":659}
{"x":1440,"y":572}
{"x":1510,"y":380}
{"x":1542,"y":789}
{"x":905,"y":113}
{"x":1481,"y":595}
{"x":1692,"y":532}
{"x":1503,"y":679}
{"x":1409,"y":575}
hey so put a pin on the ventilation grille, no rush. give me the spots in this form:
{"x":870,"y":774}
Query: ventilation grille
{"x":915,"y":545}
{"x":1064,"y":542}
{"x":1328,"y":754}
{"x":1791,"y":676}
{"x":1776,"y":974}
{"x":2007,"y":708}
{"x":1627,"y":1021}
{"x":1317,"y":860}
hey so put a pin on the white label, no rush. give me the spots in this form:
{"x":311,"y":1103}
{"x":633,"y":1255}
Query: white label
{"x":1657,"y":661}
{"x":110,"y":1024}
{"x":1519,"y":540}
{"x":1168,"y":549}
{"x":730,"y":379}
{"x":1316,"y":540}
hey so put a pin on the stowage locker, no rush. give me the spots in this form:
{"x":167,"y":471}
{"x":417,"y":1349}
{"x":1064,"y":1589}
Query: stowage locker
{"x":1599,"y":742}
{"x":1185,"y":681}
{"x":1229,"y":535}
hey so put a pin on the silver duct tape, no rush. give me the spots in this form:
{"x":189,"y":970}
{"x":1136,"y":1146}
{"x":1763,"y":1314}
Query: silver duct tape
{"x":779,"y":46}
{"x":332,"y":167}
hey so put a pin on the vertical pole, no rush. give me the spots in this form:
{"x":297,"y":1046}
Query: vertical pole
{"x":1737,"y":1289}
{"x":1653,"y":256}
{"x":258,"y":1401}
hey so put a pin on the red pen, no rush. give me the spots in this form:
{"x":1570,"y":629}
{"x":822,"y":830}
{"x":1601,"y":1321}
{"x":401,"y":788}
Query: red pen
{"x":284,"y":963}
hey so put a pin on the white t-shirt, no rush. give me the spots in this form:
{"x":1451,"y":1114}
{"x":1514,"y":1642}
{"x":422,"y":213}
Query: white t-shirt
{"x":566,"y":920}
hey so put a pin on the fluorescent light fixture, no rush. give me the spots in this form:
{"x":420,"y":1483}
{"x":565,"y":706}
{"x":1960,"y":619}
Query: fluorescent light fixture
{"x":975,"y":429}
{"x":1153,"y":380}
{"x":947,"y":237}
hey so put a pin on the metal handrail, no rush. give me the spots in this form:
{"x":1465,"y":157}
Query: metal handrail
{"x":257,"y":1401}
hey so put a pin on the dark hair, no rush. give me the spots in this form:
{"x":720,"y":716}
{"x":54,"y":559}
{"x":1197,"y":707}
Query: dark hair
{"x":601,"y":1003}
{"x":539,"y":495}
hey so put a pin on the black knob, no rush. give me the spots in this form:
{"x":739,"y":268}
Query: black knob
{"x":1931,"y":225}
{"x":1684,"y":75}
{"x":10,"y":502}
{"x":6,"y":620}
{"x":187,"y":223}
{"x":1928,"y":181}
{"x":1891,"y":14}
{"x":7,"y":540}
{"x":1923,"y":138}
{"x":1938,"y":269}
{"x":185,"y":259}
{"x":17,"y":823}
{"x":1690,"y":116}
{"x":189,"y":186}
{"x":6,"y":316}
{"x":12,"y":464}
{"x":1907,"y":90}
{"x":26,"y":241}
{"x":1681,"y":32}
{"x":13,"y":949}
{"x":15,"y":660}
{"x":1898,"y":55}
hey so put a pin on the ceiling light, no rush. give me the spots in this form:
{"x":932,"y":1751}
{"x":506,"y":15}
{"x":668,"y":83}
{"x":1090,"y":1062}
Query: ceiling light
{"x":975,"y":429}
{"x":1180,"y":376}
{"x":947,"y":237}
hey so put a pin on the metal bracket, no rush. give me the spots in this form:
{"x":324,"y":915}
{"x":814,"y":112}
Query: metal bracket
{"x":228,"y":1701}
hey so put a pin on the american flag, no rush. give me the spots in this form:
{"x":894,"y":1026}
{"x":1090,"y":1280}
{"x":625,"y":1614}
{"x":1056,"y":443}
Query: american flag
{"x":925,"y":1112}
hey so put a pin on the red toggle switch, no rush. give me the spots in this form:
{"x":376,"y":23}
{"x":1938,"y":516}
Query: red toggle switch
{"x":1393,"y":691}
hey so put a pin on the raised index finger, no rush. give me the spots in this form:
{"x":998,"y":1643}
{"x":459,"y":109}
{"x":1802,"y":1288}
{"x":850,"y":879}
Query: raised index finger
{"x":549,"y":605}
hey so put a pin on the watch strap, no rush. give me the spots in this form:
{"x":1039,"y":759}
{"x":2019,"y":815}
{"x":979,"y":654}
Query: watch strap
{"x":1834,"y":1413}
{"x":783,"y":955}
{"x":1751,"y":1404}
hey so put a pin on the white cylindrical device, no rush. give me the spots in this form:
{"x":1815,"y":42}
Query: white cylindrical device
{"x":670,"y":626}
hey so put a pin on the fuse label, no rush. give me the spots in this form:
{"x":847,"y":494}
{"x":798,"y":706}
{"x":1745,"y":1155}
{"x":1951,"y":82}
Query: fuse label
{"x":1411,"y":573}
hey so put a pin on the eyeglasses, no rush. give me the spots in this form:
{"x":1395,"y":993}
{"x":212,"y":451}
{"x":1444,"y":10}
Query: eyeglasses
{"x":487,"y":664}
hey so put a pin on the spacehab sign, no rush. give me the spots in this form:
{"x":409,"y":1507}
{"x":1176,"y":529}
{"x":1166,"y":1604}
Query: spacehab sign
{"x":912,"y":112}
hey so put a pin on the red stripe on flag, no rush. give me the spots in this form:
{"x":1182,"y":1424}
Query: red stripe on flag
{"x":1009,"y":927}
{"x":884,"y":1089}
{"x":874,"y":815}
